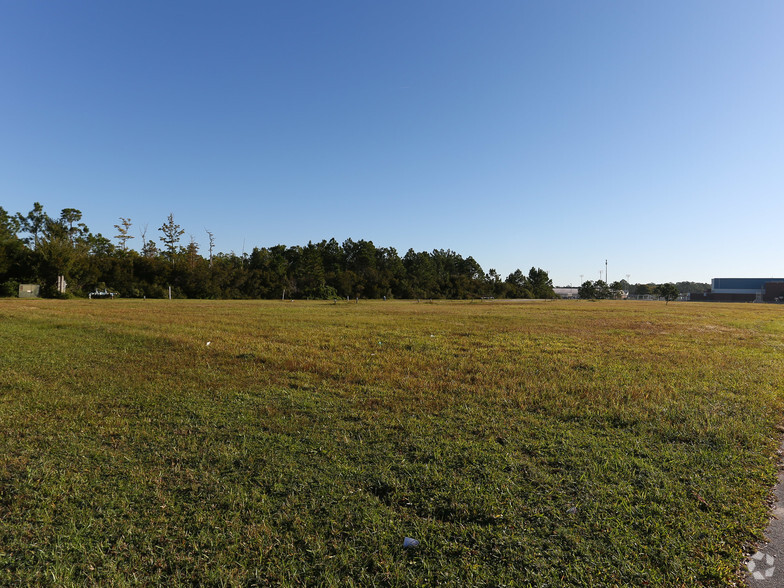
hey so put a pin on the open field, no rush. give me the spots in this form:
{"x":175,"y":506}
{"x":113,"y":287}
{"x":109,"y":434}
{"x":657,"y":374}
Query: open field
{"x":524,"y":443}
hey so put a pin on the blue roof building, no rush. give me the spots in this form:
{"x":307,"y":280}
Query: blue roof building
{"x":744,"y":290}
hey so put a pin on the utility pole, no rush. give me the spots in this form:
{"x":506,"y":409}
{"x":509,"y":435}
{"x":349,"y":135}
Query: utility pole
{"x":606,"y":276}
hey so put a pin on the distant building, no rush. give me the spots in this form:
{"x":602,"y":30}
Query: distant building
{"x":743,"y":290}
{"x":642,"y":297}
{"x":566,"y":292}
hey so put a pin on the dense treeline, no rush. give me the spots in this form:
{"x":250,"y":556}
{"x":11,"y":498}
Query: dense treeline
{"x":37,"y":248}
{"x":602,"y":290}
{"x":650,"y":288}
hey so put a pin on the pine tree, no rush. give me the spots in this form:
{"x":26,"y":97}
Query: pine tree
{"x":171,"y":236}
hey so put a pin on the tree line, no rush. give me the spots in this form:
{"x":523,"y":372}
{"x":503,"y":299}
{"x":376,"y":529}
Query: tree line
{"x":37,"y":248}
{"x":599,"y":289}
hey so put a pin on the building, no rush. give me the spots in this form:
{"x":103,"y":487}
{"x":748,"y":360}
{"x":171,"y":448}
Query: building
{"x":569,"y":293}
{"x":743,"y":290}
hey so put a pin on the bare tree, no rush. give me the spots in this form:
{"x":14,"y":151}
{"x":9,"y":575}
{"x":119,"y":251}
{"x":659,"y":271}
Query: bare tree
{"x":149,"y":248}
{"x":212,"y":244}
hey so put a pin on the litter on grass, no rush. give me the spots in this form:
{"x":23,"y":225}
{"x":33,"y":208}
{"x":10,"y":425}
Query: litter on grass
{"x":410,"y":543}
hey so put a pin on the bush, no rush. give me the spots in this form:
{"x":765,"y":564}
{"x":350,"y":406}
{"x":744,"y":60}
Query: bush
{"x":9,"y":289}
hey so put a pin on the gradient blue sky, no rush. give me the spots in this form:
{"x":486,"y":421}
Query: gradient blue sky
{"x":552,"y":134}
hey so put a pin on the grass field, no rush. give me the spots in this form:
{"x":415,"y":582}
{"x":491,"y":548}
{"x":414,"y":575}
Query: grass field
{"x":531,"y":443}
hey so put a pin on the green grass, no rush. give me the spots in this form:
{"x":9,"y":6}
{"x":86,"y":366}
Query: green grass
{"x":558,"y":443}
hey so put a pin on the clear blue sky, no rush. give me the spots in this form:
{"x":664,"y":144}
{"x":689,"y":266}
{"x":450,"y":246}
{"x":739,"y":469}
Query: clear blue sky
{"x":552,"y":134}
